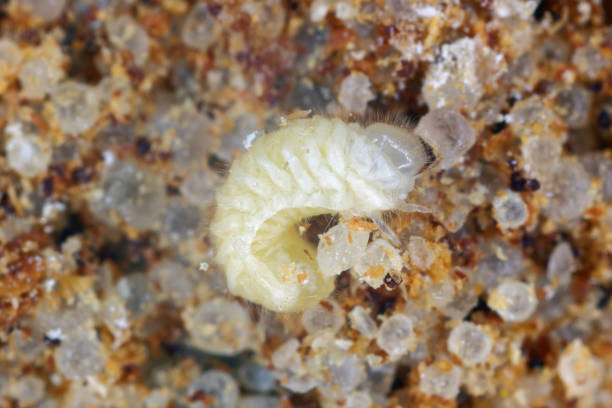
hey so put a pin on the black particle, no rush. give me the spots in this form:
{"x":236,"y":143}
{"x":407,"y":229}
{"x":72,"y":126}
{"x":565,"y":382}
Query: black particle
{"x":47,"y":185}
{"x":74,"y":226}
{"x":596,"y":86}
{"x":533,"y":185}
{"x":527,"y":241}
{"x":603,"y":119}
{"x":82,"y":174}
{"x":143,"y":146}
{"x":535,"y":364}
{"x":391,"y":282}
{"x":214,"y":9}
{"x":69,"y":37}
{"x":498,"y":127}
{"x":538,"y":13}
{"x":517,"y":182}
{"x":52,"y":341}
{"x":603,"y":301}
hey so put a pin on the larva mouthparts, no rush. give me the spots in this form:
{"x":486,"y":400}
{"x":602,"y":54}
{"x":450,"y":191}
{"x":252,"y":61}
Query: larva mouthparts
{"x":306,"y":168}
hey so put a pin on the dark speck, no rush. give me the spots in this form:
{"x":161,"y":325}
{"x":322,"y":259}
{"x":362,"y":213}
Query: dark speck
{"x":538,"y":13}
{"x":596,"y":86}
{"x":533,"y":185}
{"x":74,"y":226}
{"x":481,"y":306}
{"x":47,"y":185}
{"x":69,"y":37}
{"x":527,"y":241}
{"x":604,"y":300}
{"x":214,"y":9}
{"x":604,"y":120}
{"x":517,"y":182}
{"x":82,"y":174}
{"x":52,"y":341}
{"x":498,"y":127}
{"x":391,"y":282}
{"x":143,"y":146}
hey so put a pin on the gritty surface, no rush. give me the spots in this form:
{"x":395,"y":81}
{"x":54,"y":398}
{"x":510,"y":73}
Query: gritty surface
{"x":489,"y":285}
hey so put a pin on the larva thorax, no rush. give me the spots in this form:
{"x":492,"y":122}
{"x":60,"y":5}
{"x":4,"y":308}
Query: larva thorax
{"x":308,"y":167}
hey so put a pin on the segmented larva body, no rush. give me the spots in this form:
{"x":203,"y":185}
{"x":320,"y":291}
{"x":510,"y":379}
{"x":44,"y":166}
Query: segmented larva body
{"x":308,"y":167}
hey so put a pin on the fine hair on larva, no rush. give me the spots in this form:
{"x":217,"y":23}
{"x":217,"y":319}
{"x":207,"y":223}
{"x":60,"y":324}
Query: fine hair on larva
{"x":308,"y":167}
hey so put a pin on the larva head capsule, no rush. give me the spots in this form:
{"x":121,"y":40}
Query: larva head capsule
{"x":389,"y":157}
{"x":402,"y":147}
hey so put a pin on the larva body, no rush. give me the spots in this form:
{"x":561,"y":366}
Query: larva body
{"x":309,"y":167}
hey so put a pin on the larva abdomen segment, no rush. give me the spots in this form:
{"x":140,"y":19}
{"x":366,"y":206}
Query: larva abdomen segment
{"x":309,"y":167}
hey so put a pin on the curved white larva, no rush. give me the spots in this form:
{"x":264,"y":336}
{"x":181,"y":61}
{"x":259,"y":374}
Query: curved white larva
{"x":309,"y":167}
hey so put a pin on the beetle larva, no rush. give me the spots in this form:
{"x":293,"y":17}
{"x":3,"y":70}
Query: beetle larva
{"x":309,"y":167}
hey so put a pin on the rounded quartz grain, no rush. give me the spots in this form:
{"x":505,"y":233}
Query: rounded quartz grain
{"x":175,"y":281}
{"x":345,"y":372}
{"x":200,"y":28}
{"x":513,"y":301}
{"x":541,"y":154}
{"x":135,"y":289}
{"x":28,"y":155}
{"x":574,"y":105}
{"x":184,"y":130}
{"x":580,"y":371}
{"x":458,"y":305}
{"x":47,"y":10}
{"x":568,"y":191}
{"x":379,"y":259}
{"x":10,"y":57}
{"x":256,"y":378}
{"x":448,"y":134}
{"x":421,"y":254}
{"x":325,"y":315}
{"x":441,"y":379}
{"x":76,"y":106}
{"x":529,"y":117}
{"x":135,"y":193}
{"x":470,"y":343}
{"x":180,"y":220}
{"x":361,"y":321}
{"x":260,"y":401}
{"x":460,"y":74}
{"x":219,"y":326}
{"x":500,"y":261}
{"x":509,"y":210}
{"x":198,"y":187}
{"x":36,"y":78}
{"x":396,"y":335}
{"x":358,"y":399}
{"x":340,"y":249}
{"x":79,"y":356}
{"x":561,"y":264}
{"x":27,"y":390}
{"x":126,"y":34}
{"x":355,"y":93}
{"x":219,"y":388}
{"x":283,"y":355}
